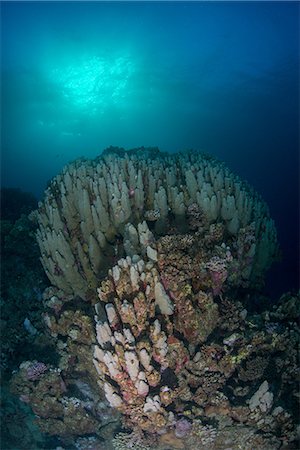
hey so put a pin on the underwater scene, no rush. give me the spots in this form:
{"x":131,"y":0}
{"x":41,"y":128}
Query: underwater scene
{"x":150,"y":225}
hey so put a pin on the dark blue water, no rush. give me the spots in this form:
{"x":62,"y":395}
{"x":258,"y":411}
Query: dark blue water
{"x":219,"y":77}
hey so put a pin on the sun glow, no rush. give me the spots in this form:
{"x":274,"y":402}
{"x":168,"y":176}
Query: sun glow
{"x":95,"y":83}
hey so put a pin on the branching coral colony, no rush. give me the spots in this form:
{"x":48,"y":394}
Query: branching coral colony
{"x":161,"y":245}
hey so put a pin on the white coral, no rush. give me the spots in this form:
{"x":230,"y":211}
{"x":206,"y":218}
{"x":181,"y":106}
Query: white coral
{"x":93,"y":198}
{"x":112,"y":396}
{"x":132,"y":364}
{"x":162,"y":300}
{"x":262,"y":398}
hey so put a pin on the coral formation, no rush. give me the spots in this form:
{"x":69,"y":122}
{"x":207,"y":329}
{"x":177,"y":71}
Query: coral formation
{"x":86,"y":209}
{"x":165,"y":355}
{"x":150,"y":257}
{"x":57,"y":411}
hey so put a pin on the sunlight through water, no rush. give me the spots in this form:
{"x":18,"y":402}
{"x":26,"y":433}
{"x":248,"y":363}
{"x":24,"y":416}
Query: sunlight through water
{"x":95,"y":83}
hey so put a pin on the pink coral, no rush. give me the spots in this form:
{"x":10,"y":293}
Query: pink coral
{"x":182,"y":428}
{"x":218,"y":279}
{"x":131,"y":192}
{"x":24,"y":398}
{"x":218,"y":273}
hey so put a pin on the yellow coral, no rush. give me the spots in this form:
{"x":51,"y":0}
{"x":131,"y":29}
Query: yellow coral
{"x":187,"y":289}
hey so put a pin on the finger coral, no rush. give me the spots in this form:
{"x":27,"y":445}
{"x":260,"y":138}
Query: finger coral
{"x":83,"y":217}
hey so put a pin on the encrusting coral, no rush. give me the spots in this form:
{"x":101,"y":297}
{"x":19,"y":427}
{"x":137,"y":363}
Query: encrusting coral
{"x":158,"y":250}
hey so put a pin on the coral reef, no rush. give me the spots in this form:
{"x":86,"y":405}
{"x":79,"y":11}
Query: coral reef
{"x":49,"y":393}
{"x":165,"y":354}
{"x":22,"y":283}
{"x":152,"y":258}
{"x":17,"y":424}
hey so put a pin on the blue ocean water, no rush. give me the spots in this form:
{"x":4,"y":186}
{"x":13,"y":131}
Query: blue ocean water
{"x":217,"y":77}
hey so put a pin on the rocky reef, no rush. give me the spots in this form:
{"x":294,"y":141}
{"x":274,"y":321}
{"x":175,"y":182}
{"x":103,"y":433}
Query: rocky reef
{"x":153,"y":260}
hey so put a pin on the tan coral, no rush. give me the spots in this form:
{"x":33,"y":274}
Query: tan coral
{"x":170,"y":440}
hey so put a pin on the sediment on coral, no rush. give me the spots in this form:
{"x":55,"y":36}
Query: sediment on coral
{"x":83,"y":217}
